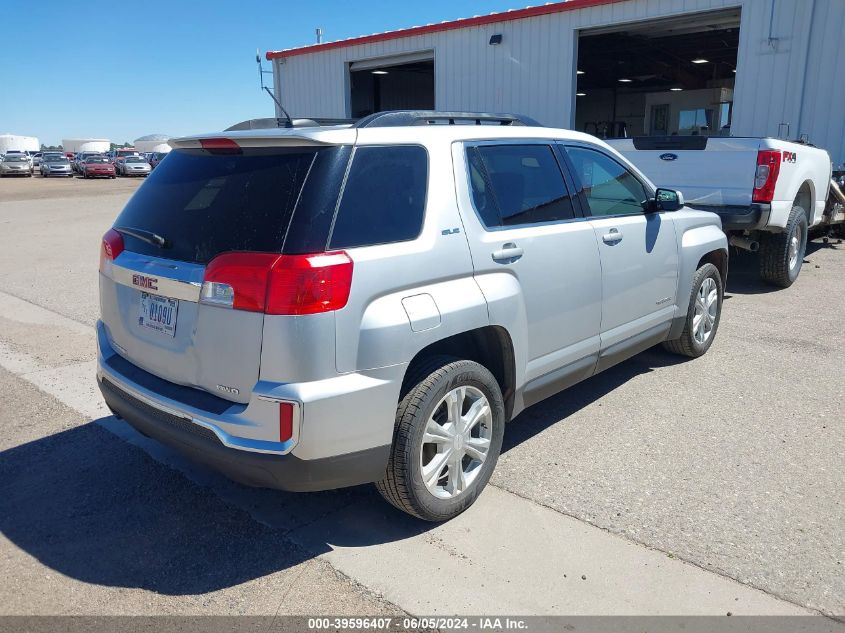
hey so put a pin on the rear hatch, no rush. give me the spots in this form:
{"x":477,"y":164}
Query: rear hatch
{"x":198,"y":205}
{"x":711,"y":171}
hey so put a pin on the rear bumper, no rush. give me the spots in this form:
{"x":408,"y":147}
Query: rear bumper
{"x":334,"y":446}
{"x":283,"y":472}
{"x":739,"y":218}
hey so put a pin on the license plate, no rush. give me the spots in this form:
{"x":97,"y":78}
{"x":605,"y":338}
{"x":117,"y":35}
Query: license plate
{"x":158,"y":313}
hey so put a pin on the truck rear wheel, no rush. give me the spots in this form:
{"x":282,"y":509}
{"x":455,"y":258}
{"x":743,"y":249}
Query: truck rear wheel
{"x":781,"y":254}
{"x":448,"y":435}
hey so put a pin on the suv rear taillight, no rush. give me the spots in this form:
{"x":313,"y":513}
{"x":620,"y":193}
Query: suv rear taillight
{"x":111,"y":247}
{"x":278,"y":284}
{"x":766,"y":177}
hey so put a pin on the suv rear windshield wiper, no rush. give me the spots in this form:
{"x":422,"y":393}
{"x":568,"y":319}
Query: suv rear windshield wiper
{"x":147,"y":236}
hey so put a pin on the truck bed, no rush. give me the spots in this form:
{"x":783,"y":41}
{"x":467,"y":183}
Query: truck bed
{"x":717,"y":174}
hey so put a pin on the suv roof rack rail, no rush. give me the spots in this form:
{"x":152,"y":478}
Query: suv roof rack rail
{"x":396,"y":118}
{"x":273,"y":122}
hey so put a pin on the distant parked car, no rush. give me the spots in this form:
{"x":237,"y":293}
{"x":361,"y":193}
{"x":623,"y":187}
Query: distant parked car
{"x":17,"y":152}
{"x":15,"y":164}
{"x":55,"y":165}
{"x":156,"y":158}
{"x":97,"y":167}
{"x":82,"y":157}
{"x":36,"y":158}
{"x":133,"y":166}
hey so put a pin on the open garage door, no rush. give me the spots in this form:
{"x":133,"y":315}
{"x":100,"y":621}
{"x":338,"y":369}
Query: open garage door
{"x":401,"y":82}
{"x":658,"y":77}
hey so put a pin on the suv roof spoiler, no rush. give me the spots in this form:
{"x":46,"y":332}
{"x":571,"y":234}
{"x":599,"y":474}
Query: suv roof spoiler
{"x":396,"y":118}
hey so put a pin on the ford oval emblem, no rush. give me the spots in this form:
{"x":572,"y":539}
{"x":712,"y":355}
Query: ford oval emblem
{"x":668,"y":156}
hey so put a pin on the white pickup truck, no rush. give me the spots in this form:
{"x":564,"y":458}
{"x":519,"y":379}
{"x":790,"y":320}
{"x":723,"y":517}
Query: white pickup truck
{"x":768,"y":192}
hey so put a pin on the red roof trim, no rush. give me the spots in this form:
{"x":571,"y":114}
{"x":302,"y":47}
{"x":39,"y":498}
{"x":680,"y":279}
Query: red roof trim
{"x":504,"y":16}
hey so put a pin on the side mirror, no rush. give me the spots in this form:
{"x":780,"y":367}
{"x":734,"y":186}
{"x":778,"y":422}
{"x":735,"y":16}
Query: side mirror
{"x":668,"y":200}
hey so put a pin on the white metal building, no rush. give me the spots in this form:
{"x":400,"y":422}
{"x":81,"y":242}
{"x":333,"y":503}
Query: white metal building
{"x":17,"y":142}
{"x":86,"y":144}
{"x":609,"y":67}
{"x":152,"y":143}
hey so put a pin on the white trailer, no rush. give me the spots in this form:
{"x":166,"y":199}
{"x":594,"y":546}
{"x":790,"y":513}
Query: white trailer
{"x":769,"y":193}
{"x":16,"y":142}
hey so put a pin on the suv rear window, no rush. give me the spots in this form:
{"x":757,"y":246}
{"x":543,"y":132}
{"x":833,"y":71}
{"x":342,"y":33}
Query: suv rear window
{"x":205,"y":204}
{"x":384,"y":197}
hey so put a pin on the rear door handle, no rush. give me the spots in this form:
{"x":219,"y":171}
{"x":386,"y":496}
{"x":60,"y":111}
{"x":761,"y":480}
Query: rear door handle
{"x":612,"y":236}
{"x":509,"y":253}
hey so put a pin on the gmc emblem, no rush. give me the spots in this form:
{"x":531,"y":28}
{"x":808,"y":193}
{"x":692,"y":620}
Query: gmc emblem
{"x":142,"y":281}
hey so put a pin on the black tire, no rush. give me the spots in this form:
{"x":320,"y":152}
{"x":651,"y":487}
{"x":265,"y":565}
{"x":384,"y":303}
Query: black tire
{"x":425,"y":386}
{"x":775,"y":247}
{"x":687,"y":344}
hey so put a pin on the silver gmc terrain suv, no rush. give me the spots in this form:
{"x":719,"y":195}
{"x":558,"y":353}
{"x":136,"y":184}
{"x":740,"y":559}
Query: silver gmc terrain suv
{"x":316,"y":307}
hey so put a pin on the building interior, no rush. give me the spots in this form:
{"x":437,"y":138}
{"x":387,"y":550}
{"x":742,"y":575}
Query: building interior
{"x":658,"y":78}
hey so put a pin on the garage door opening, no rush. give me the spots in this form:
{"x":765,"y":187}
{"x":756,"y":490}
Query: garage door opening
{"x":397,"y":83}
{"x":663,"y":77}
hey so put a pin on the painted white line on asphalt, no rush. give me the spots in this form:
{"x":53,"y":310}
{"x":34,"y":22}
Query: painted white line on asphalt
{"x":504,"y":555}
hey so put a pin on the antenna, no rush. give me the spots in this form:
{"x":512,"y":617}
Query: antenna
{"x":261,"y":73}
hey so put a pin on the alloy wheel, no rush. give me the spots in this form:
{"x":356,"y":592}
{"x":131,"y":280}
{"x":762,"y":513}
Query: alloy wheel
{"x":456,"y":442}
{"x":706,"y":310}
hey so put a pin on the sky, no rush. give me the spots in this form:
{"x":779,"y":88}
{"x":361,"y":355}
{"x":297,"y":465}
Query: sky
{"x":126,"y":68}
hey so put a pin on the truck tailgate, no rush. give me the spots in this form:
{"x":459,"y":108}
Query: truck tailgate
{"x":708,"y":171}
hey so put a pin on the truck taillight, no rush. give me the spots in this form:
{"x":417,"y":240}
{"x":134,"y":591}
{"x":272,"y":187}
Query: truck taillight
{"x":278,"y":284}
{"x":111,"y":247}
{"x":766,"y":177}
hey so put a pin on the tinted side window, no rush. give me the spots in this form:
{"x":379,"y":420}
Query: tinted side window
{"x":518,"y":184}
{"x":384,"y":197}
{"x":609,"y":188}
